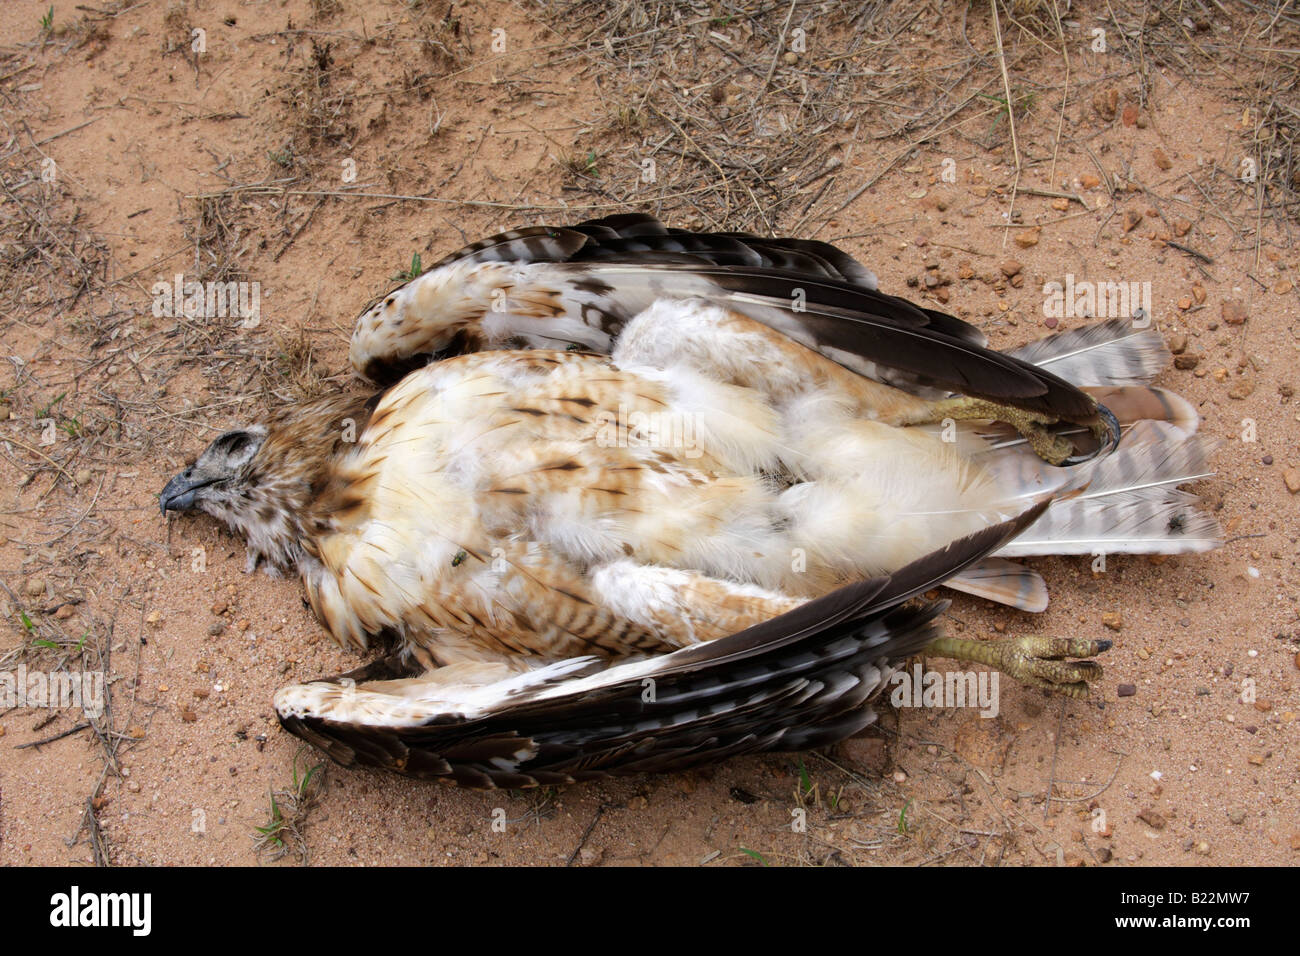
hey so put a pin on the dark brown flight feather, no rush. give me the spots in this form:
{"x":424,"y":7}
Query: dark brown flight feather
{"x":800,"y":680}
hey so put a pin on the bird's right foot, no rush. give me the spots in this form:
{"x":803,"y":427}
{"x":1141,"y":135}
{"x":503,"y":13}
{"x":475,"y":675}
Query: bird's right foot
{"x":1032,"y":659}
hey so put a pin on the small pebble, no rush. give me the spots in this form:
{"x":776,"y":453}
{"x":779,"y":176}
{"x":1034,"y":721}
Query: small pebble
{"x":1153,"y":819}
{"x":1126,"y":690}
{"x":1243,"y":387}
{"x":1234,"y":312}
{"x":1238,"y":817}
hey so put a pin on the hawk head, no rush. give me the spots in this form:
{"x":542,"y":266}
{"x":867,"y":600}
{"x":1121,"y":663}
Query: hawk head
{"x":218,"y":480}
{"x":261,"y":481}
{"x":244,"y":480}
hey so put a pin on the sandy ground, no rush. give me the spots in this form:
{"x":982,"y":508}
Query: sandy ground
{"x":128,"y":124}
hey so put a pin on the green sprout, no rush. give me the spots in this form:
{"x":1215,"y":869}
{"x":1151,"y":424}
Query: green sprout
{"x":413,"y":272}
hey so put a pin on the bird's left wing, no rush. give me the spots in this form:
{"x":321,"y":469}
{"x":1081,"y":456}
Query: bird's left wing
{"x":556,"y":286}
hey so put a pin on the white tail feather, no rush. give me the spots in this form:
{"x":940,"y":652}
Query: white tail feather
{"x":1102,"y":355}
{"x":1119,"y":528}
{"x":1129,"y":502}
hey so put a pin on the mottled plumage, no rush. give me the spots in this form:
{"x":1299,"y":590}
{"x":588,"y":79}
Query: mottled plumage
{"x":719,"y":494}
{"x":548,"y":286}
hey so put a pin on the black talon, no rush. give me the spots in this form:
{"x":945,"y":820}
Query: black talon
{"x":1112,"y":425}
{"x":1113,"y":432}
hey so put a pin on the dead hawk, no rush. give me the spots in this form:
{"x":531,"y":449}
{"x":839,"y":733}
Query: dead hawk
{"x":636,"y":498}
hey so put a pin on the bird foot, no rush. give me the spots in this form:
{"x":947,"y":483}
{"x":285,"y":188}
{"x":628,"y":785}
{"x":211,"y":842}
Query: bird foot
{"x":1032,"y":659}
{"x":1033,"y":427}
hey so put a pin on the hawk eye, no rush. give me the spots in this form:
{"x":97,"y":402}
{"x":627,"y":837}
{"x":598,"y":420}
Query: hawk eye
{"x":233,"y":443}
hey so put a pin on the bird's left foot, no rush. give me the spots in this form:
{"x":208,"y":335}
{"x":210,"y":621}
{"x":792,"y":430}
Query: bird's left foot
{"x":1033,"y":659}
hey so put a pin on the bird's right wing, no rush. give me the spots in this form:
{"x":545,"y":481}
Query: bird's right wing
{"x":801,"y":679}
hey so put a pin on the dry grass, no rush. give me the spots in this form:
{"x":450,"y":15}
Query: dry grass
{"x":1250,"y":53}
{"x":325,"y":9}
{"x":318,"y":100}
{"x":291,"y":371}
{"x":736,"y":121}
{"x":217,"y":238}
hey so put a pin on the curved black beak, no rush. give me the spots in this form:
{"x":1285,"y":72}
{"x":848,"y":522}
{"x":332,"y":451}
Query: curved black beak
{"x":180,"y":493}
